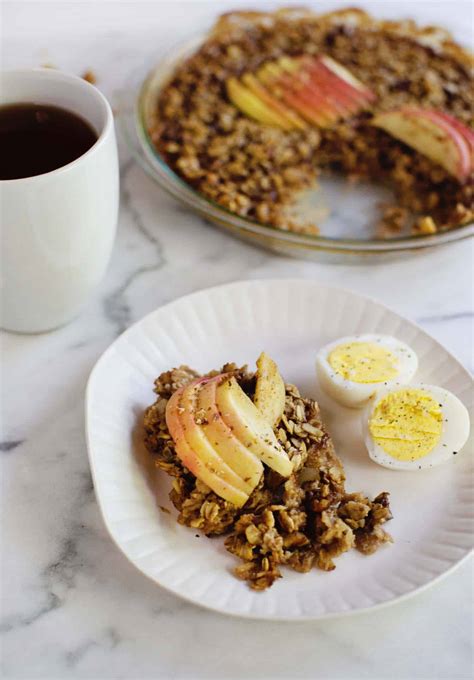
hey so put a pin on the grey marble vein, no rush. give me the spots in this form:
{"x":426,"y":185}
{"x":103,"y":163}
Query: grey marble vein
{"x":74,"y":656}
{"x":10,"y":445}
{"x":60,"y":573}
{"x":15,"y":622}
{"x":441,"y":318}
{"x":109,"y":640}
{"x":63,"y":568}
{"x":116,"y":307}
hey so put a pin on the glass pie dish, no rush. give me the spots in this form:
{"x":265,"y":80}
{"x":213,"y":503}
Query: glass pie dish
{"x":345,"y":212}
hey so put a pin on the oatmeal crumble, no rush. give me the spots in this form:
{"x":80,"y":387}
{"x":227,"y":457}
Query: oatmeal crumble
{"x":256,"y":170}
{"x":302,"y":522}
{"x":90,"y":76}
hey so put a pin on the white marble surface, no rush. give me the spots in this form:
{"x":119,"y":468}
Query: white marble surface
{"x":72,"y":606}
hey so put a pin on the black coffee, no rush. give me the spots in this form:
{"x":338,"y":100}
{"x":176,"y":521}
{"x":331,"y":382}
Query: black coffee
{"x":36,"y":138}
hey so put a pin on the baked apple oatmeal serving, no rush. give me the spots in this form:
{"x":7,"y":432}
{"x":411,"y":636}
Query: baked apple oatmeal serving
{"x":251,"y":460}
{"x":273,"y":99}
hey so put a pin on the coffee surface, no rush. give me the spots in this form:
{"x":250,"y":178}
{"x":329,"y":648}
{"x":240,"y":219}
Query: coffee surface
{"x":37,"y":138}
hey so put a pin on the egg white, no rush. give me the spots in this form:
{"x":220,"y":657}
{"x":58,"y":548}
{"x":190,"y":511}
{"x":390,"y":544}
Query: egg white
{"x":454,"y":434}
{"x":354,"y":394}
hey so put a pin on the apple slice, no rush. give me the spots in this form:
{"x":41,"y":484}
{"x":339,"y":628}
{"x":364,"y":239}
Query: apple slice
{"x":465,"y":131}
{"x":318,"y":90}
{"x":291,"y":65}
{"x":315,"y":97}
{"x":197,"y":440}
{"x":202,"y":462}
{"x":293,"y":91}
{"x":313,"y":107}
{"x":253,"y":106}
{"x":346,"y":77}
{"x":231,"y":450}
{"x":269,"y":395}
{"x":430,"y":134}
{"x":326,"y":86}
{"x":322,"y":80}
{"x":288,"y":89}
{"x":242,"y":416}
{"x":292,"y":118}
{"x":306,"y":108}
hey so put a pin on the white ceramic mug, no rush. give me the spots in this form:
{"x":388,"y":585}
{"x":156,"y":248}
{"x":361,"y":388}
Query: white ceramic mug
{"x":58,"y":228}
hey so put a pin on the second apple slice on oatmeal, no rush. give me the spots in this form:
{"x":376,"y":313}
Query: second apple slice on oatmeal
{"x":269,"y":395}
{"x":195,"y":452}
{"x":245,"y":463}
{"x":240,"y":413}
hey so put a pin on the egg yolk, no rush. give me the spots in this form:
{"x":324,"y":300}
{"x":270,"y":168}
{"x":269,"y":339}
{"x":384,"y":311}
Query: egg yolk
{"x":407,"y":424}
{"x":363,"y":362}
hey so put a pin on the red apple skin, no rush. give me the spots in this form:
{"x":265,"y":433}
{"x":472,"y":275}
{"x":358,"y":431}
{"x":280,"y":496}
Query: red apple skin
{"x":324,"y":82}
{"x":316,"y":104}
{"x":319,"y":97}
{"x":464,"y":130}
{"x":287,"y":88}
{"x":191,"y":459}
{"x":259,"y":90}
{"x":300,"y":90}
{"x":176,"y":430}
{"x":446,"y":134}
{"x":231,"y":449}
{"x":300,"y":83}
{"x":360,"y":95}
{"x":198,"y":441}
{"x":465,"y":157}
{"x":300,"y":102}
{"x":348,"y":96}
{"x":316,"y":90}
{"x":304,"y":109}
{"x":350,"y":80}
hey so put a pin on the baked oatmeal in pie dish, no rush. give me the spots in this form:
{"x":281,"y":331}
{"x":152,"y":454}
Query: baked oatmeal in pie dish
{"x":251,"y":460}
{"x":271,"y":101}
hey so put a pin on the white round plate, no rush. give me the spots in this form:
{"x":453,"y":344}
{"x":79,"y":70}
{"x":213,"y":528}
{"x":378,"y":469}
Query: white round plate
{"x":433,"y":509}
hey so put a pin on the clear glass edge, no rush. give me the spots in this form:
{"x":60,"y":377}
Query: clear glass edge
{"x":156,"y":168}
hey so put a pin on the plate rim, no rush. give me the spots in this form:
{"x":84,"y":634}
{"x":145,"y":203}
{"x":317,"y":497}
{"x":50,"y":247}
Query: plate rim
{"x":222,"y":610}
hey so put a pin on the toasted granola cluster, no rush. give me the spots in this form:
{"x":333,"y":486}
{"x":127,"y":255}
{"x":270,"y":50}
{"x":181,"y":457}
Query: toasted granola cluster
{"x":304,"y":521}
{"x":256,"y":171}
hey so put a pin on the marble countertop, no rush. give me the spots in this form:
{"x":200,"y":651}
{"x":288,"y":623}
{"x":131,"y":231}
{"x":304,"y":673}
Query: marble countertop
{"x":72,"y":606}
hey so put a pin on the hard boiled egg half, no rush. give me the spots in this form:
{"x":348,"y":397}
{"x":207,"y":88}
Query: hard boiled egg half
{"x":352,"y":369}
{"x":412,"y":427}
